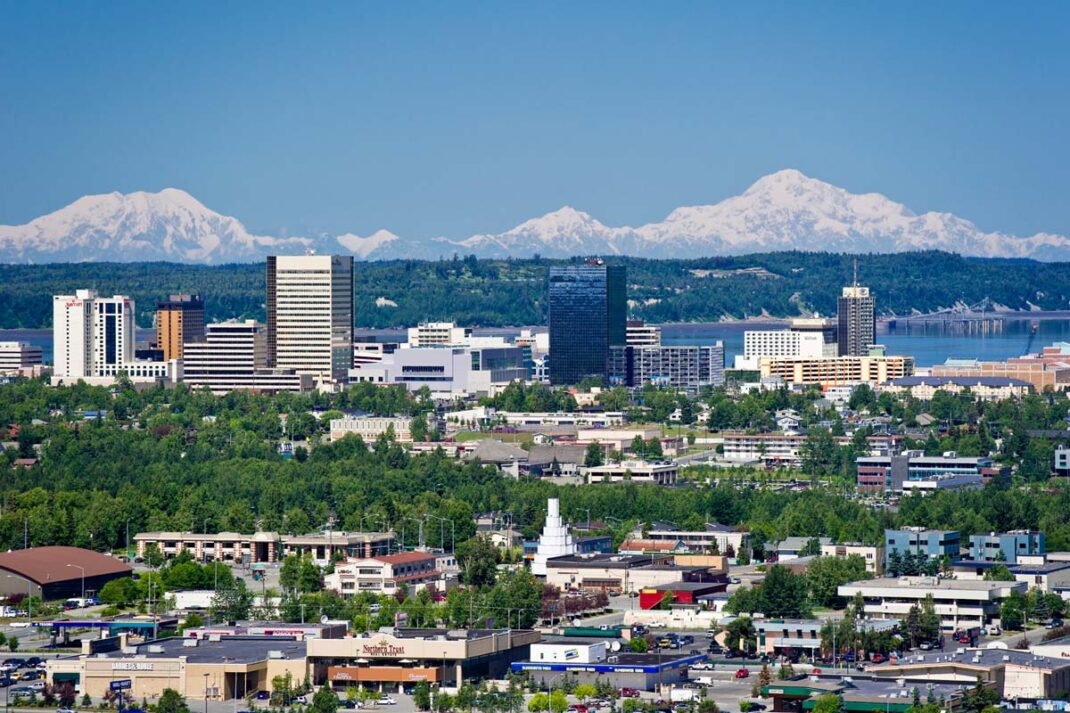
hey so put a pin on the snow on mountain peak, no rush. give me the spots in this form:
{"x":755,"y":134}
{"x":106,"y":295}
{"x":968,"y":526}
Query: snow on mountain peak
{"x":786,"y":210}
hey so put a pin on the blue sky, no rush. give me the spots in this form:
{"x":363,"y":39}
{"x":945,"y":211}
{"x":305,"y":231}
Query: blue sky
{"x":450,"y":118}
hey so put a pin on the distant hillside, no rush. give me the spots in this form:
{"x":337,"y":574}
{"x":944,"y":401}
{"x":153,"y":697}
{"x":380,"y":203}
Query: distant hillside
{"x":510,"y":292}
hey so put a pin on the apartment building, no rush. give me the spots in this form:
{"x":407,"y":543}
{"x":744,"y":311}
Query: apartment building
{"x":310,"y":315}
{"x":983,"y":388}
{"x":873,"y":555}
{"x":1062,"y":461}
{"x":370,"y":428}
{"x":782,"y":449}
{"x":384,"y":574}
{"x":677,"y":367}
{"x":874,"y":368}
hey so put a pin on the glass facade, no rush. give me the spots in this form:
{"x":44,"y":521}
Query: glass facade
{"x":588,"y":307}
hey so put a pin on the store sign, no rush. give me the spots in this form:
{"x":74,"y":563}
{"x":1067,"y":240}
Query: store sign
{"x":383,"y":649}
{"x":131,"y":666}
{"x":121,"y":685}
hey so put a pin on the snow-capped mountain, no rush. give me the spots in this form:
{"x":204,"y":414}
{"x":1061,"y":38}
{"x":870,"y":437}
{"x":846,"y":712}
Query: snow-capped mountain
{"x":169,"y":225}
{"x":782,"y":211}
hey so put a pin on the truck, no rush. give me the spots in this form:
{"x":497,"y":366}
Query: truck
{"x":682,"y":695}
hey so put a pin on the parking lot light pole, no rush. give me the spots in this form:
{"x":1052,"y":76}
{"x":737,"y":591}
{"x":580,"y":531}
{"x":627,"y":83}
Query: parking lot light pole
{"x":205,"y":693}
{"x":82,"y":569}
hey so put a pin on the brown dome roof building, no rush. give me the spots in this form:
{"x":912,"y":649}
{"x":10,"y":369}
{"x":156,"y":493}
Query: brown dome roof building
{"x":57,"y":572}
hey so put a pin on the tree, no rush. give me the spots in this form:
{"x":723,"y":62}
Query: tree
{"x":539,"y":702}
{"x":739,"y":633}
{"x":595,"y":455}
{"x":153,"y":556}
{"x":233,"y":602}
{"x":825,"y":575}
{"x":171,"y":702}
{"x":783,"y":594}
{"x":558,"y":701}
{"x":421,"y":696}
{"x":478,"y":559}
{"x":585,"y":691}
{"x":828,"y":703}
{"x":13,"y":643}
{"x":324,"y":701}
{"x":999,"y":573}
{"x":638,"y":645}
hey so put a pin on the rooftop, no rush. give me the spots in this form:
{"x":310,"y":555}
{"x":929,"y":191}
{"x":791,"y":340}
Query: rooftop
{"x":235,"y":649}
{"x":982,"y":658}
{"x":48,"y":565}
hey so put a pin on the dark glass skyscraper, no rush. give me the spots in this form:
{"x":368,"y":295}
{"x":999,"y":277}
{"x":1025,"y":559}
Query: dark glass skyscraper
{"x":588,"y":309}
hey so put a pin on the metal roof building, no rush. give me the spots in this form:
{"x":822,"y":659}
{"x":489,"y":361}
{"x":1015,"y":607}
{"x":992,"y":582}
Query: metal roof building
{"x":57,"y":572}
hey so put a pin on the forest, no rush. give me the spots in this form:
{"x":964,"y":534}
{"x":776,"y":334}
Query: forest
{"x":495,"y":293}
{"x":171,"y":459}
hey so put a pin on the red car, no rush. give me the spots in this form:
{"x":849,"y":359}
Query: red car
{"x":629,"y":693}
{"x":742,"y":673}
{"x":877,"y":657}
{"x":815,"y":672}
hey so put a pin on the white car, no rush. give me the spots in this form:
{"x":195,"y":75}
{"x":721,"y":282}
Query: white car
{"x":387,"y":701}
{"x":37,"y":685}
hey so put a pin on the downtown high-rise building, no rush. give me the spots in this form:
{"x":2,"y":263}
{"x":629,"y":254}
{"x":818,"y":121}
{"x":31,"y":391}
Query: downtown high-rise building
{"x":588,"y":308}
{"x":179,"y":319}
{"x":856,"y":326}
{"x":310,"y":315}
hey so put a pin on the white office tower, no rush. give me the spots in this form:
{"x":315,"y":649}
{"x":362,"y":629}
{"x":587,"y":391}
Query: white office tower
{"x":310,"y":315}
{"x":232,"y":356}
{"x":555,"y":541}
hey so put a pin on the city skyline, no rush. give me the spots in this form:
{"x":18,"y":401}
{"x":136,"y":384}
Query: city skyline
{"x":468,"y":119}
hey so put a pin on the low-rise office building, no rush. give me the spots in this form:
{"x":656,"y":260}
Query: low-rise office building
{"x":680,"y":593}
{"x":265,"y":546}
{"x":384,"y":574}
{"x":618,"y":574}
{"x":635,"y":471}
{"x":933,"y":544}
{"x":388,"y":660}
{"x":553,"y":662}
{"x":56,"y":572}
{"x":957,"y":603}
{"x":232,"y":356}
{"x":688,"y":367}
{"x":1050,"y":369}
{"x":1014,"y":674}
{"x":787,"y":636}
{"x":895,"y":473}
{"x":1006,"y":547}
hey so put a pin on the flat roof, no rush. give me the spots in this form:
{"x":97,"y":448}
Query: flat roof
{"x":983,"y":658}
{"x":235,"y":649}
{"x":685,"y":586}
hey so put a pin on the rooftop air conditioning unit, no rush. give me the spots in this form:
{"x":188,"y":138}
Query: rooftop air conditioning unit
{"x":189,"y":643}
{"x":154,"y":649}
{"x":129,"y":650}
{"x":274,"y":654}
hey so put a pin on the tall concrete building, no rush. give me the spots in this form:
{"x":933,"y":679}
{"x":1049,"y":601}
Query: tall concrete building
{"x":310,"y":314}
{"x":233,"y":356}
{"x":93,"y":339}
{"x":588,"y":308}
{"x":179,"y":319}
{"x":856,"y":321}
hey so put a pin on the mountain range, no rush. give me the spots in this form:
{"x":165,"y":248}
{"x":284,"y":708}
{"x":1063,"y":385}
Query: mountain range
{"x":785,"y":210}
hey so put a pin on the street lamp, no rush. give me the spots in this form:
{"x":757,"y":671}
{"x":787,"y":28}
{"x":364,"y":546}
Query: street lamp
{"x":205,"y":693}
{"x":82,"y":569}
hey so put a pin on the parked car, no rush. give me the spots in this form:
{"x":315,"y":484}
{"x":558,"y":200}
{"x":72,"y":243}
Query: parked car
{"x":33,"y":661}
{"x":629,"y":693}
{"x":742,"y":673}
{"x":876,"y":657}
{"x":994,"y":630}
{"x":263,"y":695}
{"x":1055,"y":623}
{"x":387,"y":701}
{"x":925,"y":646}
{"x":64,"y":710}
{"x":577,"y":708}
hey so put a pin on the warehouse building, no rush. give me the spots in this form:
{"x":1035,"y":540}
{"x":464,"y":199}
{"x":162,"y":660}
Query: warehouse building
{"x":53,"y":573}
